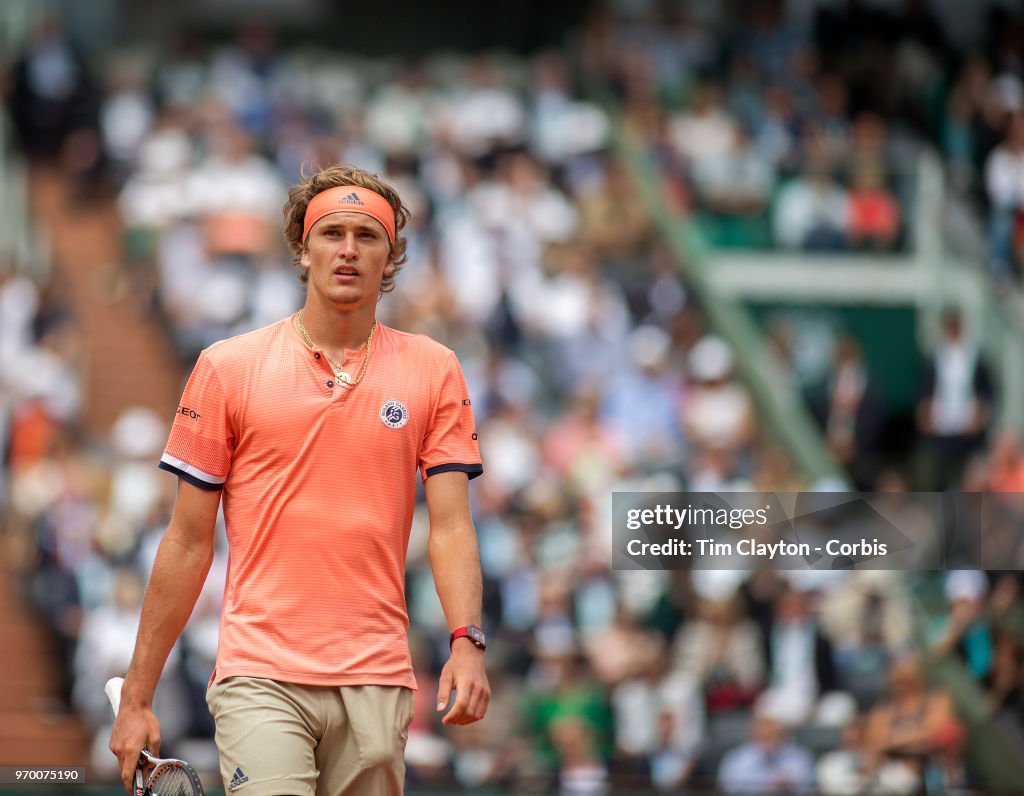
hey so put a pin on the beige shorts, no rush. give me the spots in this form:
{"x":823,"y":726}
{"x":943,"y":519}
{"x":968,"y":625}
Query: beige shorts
{"x":281,"y":739}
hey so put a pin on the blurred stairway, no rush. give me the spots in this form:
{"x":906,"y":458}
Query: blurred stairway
{"x":126,"y":357}
{"x":34,"y":729}
{"x":126,"y":361}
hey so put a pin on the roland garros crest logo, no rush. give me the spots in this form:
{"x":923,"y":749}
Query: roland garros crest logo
{"x":393,"y":414}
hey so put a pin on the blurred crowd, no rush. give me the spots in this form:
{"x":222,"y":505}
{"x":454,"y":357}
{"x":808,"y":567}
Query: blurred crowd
{"x":591,"y":367}
{"x":800,"y":128}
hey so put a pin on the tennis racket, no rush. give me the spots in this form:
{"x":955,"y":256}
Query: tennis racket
{"x":169,"y":777}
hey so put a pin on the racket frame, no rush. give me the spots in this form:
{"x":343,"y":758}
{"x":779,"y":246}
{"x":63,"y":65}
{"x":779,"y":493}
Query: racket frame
{"x":144,"y":784}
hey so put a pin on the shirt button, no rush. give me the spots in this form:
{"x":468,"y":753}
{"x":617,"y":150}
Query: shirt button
{"x":330,"y":384}
{"x":316,"y":355}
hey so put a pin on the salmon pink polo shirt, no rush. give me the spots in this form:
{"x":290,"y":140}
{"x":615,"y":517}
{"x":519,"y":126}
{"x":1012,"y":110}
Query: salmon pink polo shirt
{"x":319,"y":483}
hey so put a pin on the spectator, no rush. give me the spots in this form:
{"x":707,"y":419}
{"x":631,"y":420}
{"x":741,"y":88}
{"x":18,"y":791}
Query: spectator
{"x":851,"y":413}
{"x":874,"y":215}
{"x":247,"y":76}
{"x":920,"y":51}
{"x":722,"y":651}
{"x":484,"y":115}
{"x":492,"y":249}
{"x":829,"y":122}
{"x":567,"y":695}
{"x":774,"y":45}
{"x":779,"y":128}
{"x":581,"y":772}
{"x":964,"y":629}
{"x":576,"y":312}
{"x":137,"y":438}
{"x":105,"y":645}
{"x":676,"y":752}
{"x":613,"y":219}
{"x":154,"y":195}
{"x":19,"y":304}
{"x":1004,"y":684}
{"x":45,"y":383}
{"x":734,"y":187}
{"x":871,"y":145}
{"x":868,"y":620}
{"x":53,"y":97}
{"x":648,"y":377}
{"x":624,"y":650}
{"x":914,"y":727}
{"x":768,"y":762}
{"x":718,"y":412}
{"x":53,"y":508}
{"x":669,"y":745}
{"x":970,"y":121}
{"x":513,"y":446}
{"x":181,"y":75}
{"x":800,"y":660}
{"x":811,"y":212}
{"x":126,"y":116}
{"x":707,"y":130}
{"x":397,"y":116}
{"x":579,"y":448}
{"x":955,"y":409}
{"x":562,"y":126}
{"x":237,"y":193}
{"x":840,"y":772}
{"x":1004,"y":185}
{"x":1006,"y":465}
{"x":522,"y":200}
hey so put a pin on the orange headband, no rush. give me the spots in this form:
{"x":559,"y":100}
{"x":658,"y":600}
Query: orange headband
{"x":349,"y":199}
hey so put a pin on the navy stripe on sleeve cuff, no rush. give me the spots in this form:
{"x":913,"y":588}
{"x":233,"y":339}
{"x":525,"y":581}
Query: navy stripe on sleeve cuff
{"x":199,"y":482}
{"x":472,"y":470}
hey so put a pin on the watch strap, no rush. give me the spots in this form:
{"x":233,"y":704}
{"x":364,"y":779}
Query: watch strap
{"x":473,"y":633}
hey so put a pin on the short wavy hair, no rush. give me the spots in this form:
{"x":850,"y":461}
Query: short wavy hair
{"x":340,"y":175}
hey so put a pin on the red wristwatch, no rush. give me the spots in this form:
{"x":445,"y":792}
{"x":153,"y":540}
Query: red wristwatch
{"x":473,"y":633}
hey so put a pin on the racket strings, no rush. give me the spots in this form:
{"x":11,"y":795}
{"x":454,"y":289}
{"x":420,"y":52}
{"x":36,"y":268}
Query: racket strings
{"x":173,"y":780}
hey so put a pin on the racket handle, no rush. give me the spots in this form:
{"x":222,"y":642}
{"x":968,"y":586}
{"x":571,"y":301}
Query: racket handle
{"x":113,"y":692}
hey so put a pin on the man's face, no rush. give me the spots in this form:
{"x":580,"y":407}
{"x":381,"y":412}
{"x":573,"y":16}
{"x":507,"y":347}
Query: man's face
{"x":768,"y":732}
{"x":791,"y":607}
{"x":347,"y":255}
{"x":952,"y":328}
{"x":904,"y":677}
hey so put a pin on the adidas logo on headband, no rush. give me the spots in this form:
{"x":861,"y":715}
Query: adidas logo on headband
{"x":351,"y":198}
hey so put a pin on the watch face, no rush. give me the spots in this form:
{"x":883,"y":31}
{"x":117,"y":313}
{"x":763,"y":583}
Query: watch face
{"x":476,"y":635}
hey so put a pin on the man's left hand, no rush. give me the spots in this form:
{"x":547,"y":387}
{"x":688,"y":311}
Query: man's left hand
{"x":465,"y":675}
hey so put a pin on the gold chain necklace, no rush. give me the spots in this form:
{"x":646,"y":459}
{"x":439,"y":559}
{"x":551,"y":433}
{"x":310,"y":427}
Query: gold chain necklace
{"x":339,"y":373}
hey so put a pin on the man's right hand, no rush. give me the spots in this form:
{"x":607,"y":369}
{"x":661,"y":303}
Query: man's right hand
{"x":182,"y":563}
{"x":134,"y":729}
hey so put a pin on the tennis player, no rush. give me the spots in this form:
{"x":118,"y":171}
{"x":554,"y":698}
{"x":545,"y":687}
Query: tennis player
{"x":312,"y":429}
